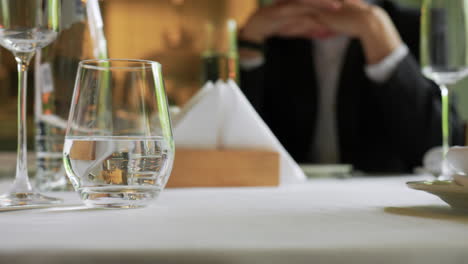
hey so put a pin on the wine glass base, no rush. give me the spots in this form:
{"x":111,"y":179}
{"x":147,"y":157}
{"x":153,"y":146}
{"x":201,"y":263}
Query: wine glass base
{"x":27,"y":199}
{"x":444,"y":178}
{"x":123,"y":197}
{"x":446,"y":172}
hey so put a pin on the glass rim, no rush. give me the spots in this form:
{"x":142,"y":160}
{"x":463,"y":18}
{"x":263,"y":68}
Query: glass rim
{"x":144,"y":64}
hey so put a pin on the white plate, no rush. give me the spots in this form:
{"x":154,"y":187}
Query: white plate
{"x":450,"y":192}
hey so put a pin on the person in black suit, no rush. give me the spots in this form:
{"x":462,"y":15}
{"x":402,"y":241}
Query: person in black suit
{"x":378,"y":120}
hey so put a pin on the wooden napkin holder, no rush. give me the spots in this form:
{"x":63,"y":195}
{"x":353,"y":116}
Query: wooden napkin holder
{"x":224,"y":168}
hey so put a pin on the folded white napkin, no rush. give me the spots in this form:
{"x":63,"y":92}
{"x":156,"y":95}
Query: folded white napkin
{"x":220,"y":116}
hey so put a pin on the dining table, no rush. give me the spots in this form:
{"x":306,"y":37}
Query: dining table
{"x":372,"y":219}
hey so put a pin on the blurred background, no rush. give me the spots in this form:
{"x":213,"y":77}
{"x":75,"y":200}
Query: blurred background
{"x":194,"y":40}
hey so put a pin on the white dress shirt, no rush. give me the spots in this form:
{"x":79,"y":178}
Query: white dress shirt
{"x":328,"y":59}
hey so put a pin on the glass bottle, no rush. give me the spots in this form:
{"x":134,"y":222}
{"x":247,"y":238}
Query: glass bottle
{"x":81,"y":37}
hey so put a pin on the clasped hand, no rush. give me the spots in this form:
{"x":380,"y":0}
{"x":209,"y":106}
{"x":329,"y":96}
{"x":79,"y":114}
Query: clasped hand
{"x":325,"y":18}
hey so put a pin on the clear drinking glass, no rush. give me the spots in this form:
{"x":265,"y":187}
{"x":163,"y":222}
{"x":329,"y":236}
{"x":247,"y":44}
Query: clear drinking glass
{"x":26,"y":26}
{"x":119,"y":149}
{"x":444,"y":54}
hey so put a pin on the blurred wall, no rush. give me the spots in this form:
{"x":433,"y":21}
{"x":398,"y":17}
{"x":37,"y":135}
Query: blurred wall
{"x":172,"y":32}
{"x":175,"y":33}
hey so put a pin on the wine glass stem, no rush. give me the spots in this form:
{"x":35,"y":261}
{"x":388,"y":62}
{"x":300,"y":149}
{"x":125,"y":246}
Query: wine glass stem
{"x":22,"y":184}
{"x":445,"y":126}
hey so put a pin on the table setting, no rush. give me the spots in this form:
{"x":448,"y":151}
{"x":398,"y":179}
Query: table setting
{"x":208,"y":183}
{"x":358,"y":220}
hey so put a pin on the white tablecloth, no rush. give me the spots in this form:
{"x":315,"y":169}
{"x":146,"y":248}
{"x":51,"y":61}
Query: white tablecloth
{"x":375,"y":220}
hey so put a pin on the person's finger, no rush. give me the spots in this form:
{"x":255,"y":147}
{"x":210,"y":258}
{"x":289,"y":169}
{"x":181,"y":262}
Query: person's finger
{"x":283,"y":11}
{"x":302,"y":27}
{"x":328,"y":4}
{"x":356,"y":4}
{"x":350,"y":9}
{"x":268,"y":20}
{"x":356,"y":1}
{"x":321,"y":35}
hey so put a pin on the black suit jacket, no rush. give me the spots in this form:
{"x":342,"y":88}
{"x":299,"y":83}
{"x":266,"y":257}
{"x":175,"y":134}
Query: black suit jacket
{"x":381,"y":127}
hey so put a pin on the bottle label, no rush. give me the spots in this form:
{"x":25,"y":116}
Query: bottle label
{"x":79,"y":8}
{"x":47,"y":83}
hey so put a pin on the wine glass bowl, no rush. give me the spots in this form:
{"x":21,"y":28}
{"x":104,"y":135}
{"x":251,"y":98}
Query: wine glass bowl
{"x":28,"y":25}
{"x":26,"y":40}
{"x":444,"y":55}
{"x":25,"y":26}
{"x":119,"y":149}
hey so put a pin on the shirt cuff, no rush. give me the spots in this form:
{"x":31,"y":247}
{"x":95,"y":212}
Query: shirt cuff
{"x":381,"y":71}
{"x":251,"y":64}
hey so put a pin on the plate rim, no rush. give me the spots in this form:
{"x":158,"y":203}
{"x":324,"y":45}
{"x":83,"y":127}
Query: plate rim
{"x":449,"y":187}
